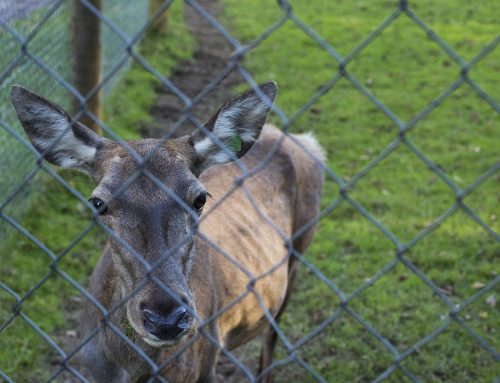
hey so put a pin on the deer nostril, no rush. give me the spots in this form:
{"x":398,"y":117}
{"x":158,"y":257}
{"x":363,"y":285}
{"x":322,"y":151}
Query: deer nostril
{"x":183,"y":322}
{"x":150,"y":316}
{"x":168,"y":326}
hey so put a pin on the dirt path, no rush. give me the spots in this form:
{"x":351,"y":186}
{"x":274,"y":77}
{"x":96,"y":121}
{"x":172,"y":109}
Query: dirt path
{"x":210,"y":58}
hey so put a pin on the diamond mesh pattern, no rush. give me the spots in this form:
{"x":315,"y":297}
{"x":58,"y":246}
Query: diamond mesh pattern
{"x":27,"y":55}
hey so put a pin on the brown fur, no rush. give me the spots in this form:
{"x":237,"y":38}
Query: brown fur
{"x":286,"y":192}
{"x":233,"y":276}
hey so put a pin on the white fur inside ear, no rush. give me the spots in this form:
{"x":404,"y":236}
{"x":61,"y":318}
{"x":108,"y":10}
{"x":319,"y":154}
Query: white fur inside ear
{"x":55,"y":134}
{"x":240,"y":119}
{"x":212,"y":152}
{"x":203,"y":147}
{"x":220,"y":158}
{"x":237,"y":125}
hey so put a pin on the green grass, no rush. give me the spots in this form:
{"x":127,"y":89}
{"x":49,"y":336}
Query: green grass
{"x":24,"y":354}
{"x":405,"y":70}
{"x":56,"y":218}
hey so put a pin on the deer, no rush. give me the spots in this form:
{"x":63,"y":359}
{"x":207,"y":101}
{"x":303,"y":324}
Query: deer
{"x":205,"y":229}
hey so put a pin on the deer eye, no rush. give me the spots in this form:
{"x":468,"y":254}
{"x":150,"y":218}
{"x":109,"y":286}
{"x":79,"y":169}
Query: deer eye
{"x":99,"y":205}
{"x":199,"y":201}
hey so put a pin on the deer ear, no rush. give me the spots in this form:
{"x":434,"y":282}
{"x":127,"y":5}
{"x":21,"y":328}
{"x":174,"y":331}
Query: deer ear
{"x":52,"y":132}
{"x":236,"y":126}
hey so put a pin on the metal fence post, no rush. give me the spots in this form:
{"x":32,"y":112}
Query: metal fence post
{"x":86,"y":58}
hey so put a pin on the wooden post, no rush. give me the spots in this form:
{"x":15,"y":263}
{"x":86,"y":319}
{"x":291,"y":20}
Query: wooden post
{"x":86,"y":57}
{"x":161,"y":24}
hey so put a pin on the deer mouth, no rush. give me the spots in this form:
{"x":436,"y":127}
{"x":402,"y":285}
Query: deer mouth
{"x":151,"y":339}
{"x":157,"y":342}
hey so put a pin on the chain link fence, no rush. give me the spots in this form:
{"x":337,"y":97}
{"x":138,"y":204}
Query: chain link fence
{"x":35,"y":50}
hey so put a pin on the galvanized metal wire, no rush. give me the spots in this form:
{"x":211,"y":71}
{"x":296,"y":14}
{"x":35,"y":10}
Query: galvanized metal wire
{"x":125,"y":48}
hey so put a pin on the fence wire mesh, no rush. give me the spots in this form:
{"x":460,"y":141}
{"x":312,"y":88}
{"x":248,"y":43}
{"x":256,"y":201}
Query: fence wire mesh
{"x":34,"y":53}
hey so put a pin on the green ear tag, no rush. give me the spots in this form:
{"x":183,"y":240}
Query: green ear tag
{"x":235,"y":144}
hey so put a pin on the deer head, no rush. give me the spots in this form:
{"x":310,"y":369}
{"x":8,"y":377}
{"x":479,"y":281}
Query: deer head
{"x":148,"y":194}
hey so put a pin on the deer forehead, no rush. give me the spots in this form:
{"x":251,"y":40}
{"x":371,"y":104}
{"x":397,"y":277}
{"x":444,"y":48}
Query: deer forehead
{"x":145,"y":174}
{"x":151,"y":155}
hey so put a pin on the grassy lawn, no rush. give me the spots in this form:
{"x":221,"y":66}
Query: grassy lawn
{"x":405,"y":70}
{"x":56,"y":218}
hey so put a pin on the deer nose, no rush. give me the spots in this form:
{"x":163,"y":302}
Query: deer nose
{"x":166,"y":327}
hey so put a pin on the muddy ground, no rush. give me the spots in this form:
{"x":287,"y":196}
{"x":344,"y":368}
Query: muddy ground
{"x":211,"y":56}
